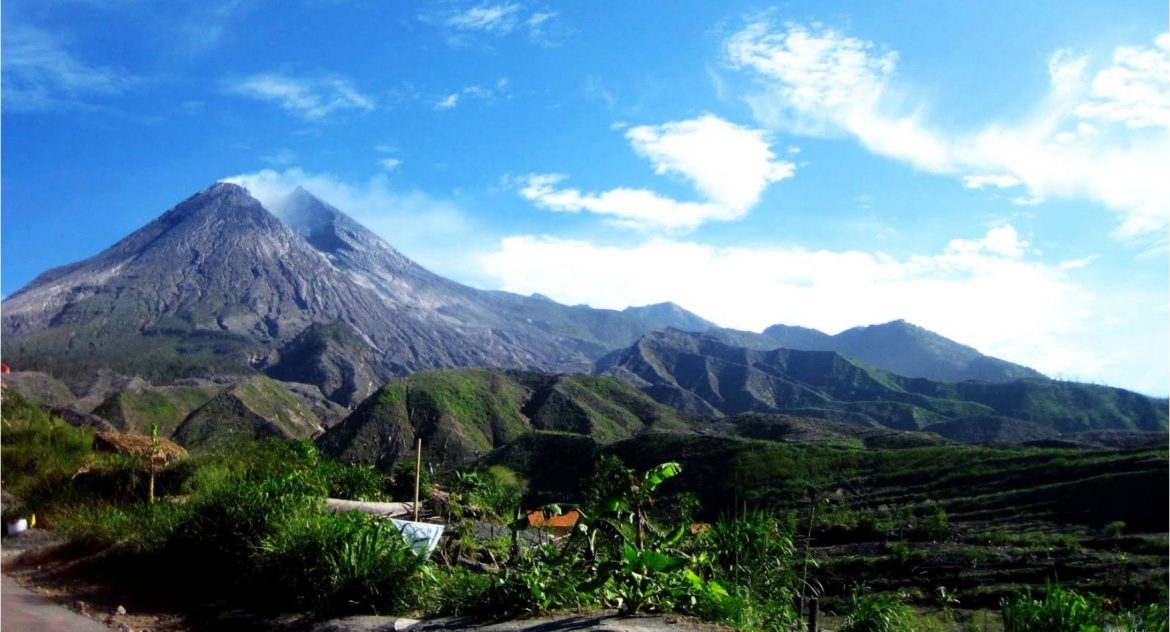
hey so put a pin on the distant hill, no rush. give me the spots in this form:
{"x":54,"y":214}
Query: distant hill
{"x":699,"y":374}
{"x":136,"y":407}
{"x":905,"y":349}
{"x":254,"y":408}
{"x":463,"y":414}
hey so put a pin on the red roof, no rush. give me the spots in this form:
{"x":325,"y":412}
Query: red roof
{"x":566,"y":520}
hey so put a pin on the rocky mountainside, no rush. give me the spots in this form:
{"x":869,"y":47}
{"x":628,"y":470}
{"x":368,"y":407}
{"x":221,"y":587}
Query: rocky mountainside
{"x":903,"y":348}
{"x":698,"y":373}
{"x":463,"y":414}
{"x":219,"y":285}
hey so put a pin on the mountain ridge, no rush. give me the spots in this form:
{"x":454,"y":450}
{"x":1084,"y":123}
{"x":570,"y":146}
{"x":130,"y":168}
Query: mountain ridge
{"x":699,"y":374}
{"x":220,"y":286}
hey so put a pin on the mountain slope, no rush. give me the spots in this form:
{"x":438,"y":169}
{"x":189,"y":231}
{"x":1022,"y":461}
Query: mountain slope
{"x":903,"y":348}
{"x":700,"y":374}
{"x":465,"y":413}
{"x":254,"y":408}
{"x":219,"y":285}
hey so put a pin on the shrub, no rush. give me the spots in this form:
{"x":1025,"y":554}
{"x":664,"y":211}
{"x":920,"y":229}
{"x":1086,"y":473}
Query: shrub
{"x":538,"y":580}
{"x":1060,"y":610}
{"x":354,"y":481}
{"x":876,"y":612}
{"x":339,"y":562}
{"x":755,"y":551}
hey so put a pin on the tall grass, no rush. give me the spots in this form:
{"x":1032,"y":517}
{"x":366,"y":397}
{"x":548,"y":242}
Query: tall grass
{"x":1064,"y":610}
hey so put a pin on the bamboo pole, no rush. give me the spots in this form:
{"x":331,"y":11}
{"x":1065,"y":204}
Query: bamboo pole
{"x":417,"y":475}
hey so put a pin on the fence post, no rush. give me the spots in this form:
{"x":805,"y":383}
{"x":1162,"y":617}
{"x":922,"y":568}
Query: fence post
{"x":814,"y":614}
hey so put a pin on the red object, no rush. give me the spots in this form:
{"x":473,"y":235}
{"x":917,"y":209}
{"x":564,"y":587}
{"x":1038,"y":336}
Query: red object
{"x":4,"y":368}
{"x":564,"y":521}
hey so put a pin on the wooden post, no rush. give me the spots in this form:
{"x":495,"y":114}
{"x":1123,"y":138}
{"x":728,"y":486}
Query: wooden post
{"x":153,"y":454}
{"x":814,"y":614}
{"x":417,"y":475}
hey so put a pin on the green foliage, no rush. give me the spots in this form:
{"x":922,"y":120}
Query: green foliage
{"x":538,"y":580}
{"x":40,"y":452}
{"x":355,"y":481}
{"x":402,"y":481}
{"x":754,"y":552}
{"x":138,"y":528}
{"x":936,"y":526}
{"x":1065,"y":610}
{"x":877,"y":612}
{"x":338,"y":562}
{"x":492,"y":494}
{"x":1059,"y":610}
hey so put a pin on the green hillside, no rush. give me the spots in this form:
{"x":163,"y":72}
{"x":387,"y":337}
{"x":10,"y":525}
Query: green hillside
{"x":463,"y":414}
{"x":254,"y":408}
{"x":135,"y":409}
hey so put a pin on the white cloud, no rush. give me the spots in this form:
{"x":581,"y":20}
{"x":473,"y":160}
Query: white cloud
{"x":390,"y":164}
{"x":1100,"y":136}
{"x":420,"y":226}
{"x":481,"y":93}
{"x":982,"y":292}
{"x":499,"y":18}
{"x":728,"y":165}
{"x":39,"y":73}
{"x":312,"y":99}
{"x":998,"y":181}
{"x":629,"y":208}
{"x":1003,"y":241}
{"x":1133,"y":91}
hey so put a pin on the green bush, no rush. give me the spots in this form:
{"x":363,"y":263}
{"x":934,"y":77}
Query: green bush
{"x":354,"y":481}
{"x":1059,"y":610}
{"x":339,"y":562}
{"x":754,"y":551}
{"x":140,"y":528}
{"x":538,"y":580}
{"x":1065,"y":610}
{"x":877,"y":612}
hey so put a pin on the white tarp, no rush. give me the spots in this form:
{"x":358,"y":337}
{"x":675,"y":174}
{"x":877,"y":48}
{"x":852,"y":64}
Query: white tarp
{"x":422,"y":537}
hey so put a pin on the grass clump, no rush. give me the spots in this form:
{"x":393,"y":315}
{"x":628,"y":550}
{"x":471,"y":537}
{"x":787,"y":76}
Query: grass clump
{"x":1064,"y":610}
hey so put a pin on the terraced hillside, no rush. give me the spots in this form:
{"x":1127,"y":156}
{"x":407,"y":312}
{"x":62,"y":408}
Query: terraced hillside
{"x":977,"y":520}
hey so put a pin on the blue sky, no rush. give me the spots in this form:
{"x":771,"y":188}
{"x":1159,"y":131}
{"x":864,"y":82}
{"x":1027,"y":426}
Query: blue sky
{"x":993,"y":171}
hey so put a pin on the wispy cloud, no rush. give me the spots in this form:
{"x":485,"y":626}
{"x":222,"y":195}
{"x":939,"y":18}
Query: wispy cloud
{"x":499,"y":20}
{"x":987,"y":291}
{"x":39,"y":73}
{"x":311,"y":99}
{"x":1097,"y":135}
{"x":727,"y":164}
{"x":485,"y":94}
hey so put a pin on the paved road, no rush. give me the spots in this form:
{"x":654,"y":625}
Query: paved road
{"x":22,"y":609}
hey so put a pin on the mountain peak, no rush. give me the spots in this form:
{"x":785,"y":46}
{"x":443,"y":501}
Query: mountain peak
{"x":672,"y":315}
